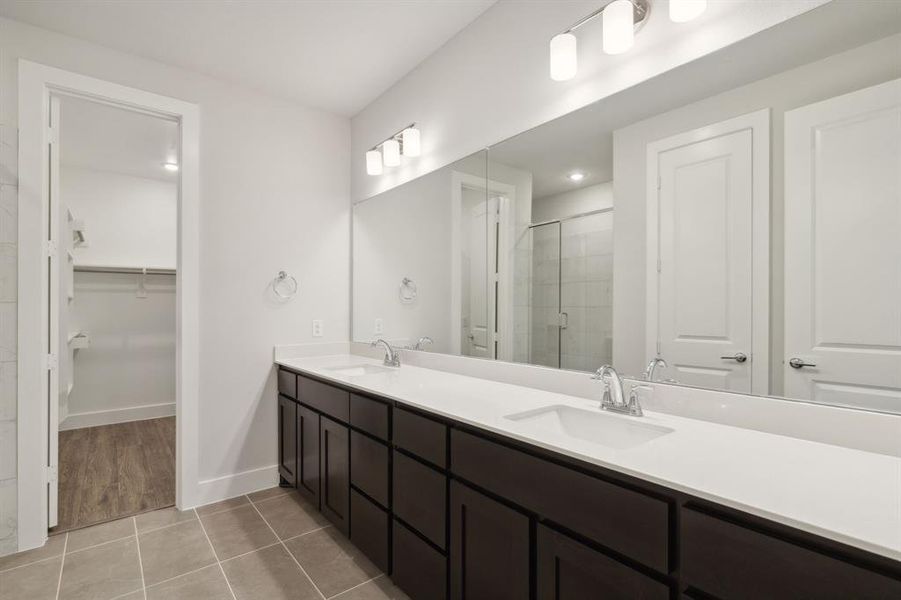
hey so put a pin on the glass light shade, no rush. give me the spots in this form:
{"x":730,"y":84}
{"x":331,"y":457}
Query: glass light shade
{"x":564,"y":57}
{"x":391,"y":153}
{"x":619,"y":27}
{"x":373,"y":162}
{"x":411,"y":139}
{"x":681,"y":11}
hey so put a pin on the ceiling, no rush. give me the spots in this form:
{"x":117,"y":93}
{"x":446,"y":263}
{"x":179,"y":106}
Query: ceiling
{"x":334,"y":55}
{"x":105,"y":138}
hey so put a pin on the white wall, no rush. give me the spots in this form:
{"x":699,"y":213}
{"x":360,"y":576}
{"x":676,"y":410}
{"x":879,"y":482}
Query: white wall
{"x":573,"y":202}
{"x":839,"y":74}
{"x":503,"y":56}
{"x":130,"y":221}
{"x":128,"y":372}
{"x":274,"y":195}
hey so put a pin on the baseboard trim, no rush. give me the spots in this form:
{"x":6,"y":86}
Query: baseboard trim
{"x":229,"y":486}
{"x":119,"y":415}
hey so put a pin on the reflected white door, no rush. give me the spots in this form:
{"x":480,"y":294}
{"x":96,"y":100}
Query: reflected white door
{"x":478,"y":339}
{"x":843,"y":249}
{"x":704,"y":273}
{"x":57,"y":223}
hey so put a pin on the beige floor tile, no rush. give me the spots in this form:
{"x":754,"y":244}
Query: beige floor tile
{"x":206,"y":584}
{"x":237,"y":531}
{"x":174,"y":551}
{"x":377,"y":589}
{"x":270,"y":573}
{"x":229,"y":504}
{"x":163,"y":518}
{"x":291,"y":515}
{"x":100,"y":534}
{"x":268,"y":493}
{"x":36,"y":581}
{"x":53,"y":547}
{"x":101,"y":572}
{"x":331,"y":561}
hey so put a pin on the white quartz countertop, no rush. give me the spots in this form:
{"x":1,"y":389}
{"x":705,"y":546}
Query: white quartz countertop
{"x":839,"y":493}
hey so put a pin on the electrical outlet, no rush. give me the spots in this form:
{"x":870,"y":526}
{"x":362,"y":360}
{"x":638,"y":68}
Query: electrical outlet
{"x":379,"y":326}
{"x":317,"y":328}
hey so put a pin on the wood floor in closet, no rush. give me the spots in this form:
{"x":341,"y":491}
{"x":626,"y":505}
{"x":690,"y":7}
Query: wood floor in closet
{"x":113,"y":471}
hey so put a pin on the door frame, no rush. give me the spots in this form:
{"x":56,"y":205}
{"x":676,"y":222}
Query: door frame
{"x":758,"y":123}
{"x":37,"y":83}
{"x":505,"y":241}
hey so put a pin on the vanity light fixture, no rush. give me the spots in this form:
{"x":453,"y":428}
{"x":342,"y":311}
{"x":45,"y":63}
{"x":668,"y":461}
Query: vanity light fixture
{"x":681,"y":11}
{"x":621,"y":19}
{"x":576,"y":176}
{"x":391,"y":153}
{"x":373,"y":162}
{"x":171,"y":166}
{"x":406,"y":142}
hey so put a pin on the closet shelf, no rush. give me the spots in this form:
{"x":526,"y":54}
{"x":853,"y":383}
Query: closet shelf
{"x":129,"y":270}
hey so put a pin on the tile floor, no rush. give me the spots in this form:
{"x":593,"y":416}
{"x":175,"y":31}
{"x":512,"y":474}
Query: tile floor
{"x":268,"y":545}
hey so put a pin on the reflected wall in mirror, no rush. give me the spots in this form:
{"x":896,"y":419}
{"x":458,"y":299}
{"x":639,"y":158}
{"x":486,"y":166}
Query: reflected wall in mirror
{"x":738,"y":217}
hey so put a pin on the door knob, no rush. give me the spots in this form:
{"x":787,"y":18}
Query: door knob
{"x":738,"y":357}
{"x":797,"y":363}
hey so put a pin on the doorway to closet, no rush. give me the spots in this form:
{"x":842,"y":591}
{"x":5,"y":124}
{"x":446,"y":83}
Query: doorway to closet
{"x":114,"y":205}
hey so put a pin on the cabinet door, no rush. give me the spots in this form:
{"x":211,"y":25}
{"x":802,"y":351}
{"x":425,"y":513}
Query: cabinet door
{"x":287,"y":439}
{"x":489,"y":548}
{"x":569,"y":570}
{"x":335,"y":491}
{"x":308,"y":453}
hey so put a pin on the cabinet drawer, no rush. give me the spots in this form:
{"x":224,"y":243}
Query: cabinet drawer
{"x":417,"y":568}
{"x":629,"y":522}
{"x":369,"y":526}
{"x":287,"y":384}
{"x":423,"y":437}
{"x":369,"y":466}
{"x":569,"y":570}
{"x":730,"y":561}
{"x":369,"y":415}
{"x":420,"y":498}
{"x":330,"y":400}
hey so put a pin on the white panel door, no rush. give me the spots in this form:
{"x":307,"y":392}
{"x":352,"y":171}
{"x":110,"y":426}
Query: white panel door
{"x":705,"y":261}
{"x":479,"y":340}
{"x":56,"y":289}
{"x":843,"y":249}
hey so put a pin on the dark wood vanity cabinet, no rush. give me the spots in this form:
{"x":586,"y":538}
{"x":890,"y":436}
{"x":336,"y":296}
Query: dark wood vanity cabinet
{"x":308,"y":453}
{"x":334,"y":453}
{"x":287,"y":440}
{"x":449,"y":510}
{"x":489,"y":548}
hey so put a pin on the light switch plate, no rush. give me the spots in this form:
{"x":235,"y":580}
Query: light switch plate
{"x":317,"y":328}
{"x":379,"y":326}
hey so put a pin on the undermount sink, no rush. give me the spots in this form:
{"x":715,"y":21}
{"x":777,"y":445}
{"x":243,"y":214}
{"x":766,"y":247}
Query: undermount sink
{"x":358,"y":370}
{"x":594,"y":426}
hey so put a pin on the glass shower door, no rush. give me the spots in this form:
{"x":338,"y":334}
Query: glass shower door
{"x":545,"y":301}
{"x":586,"y":291}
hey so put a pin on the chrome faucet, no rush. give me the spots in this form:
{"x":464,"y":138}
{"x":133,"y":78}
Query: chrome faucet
{"x":392,"y":358}
{"x":652,"y":367}
{"x":614,"y":398}
{"x":423,"y":341}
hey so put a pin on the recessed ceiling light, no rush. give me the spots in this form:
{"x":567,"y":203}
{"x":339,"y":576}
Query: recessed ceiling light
{"x":171,"y":166}
{"x":576,"y":176}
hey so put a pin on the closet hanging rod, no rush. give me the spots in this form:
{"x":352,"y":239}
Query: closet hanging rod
{"x":123,"y":270}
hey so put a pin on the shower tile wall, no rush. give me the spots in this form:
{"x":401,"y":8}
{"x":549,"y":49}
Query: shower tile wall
{"x":545,"y":296}
{"x":8,"y":288}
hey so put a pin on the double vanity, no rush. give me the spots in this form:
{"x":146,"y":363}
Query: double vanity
{"x":461,"y":487}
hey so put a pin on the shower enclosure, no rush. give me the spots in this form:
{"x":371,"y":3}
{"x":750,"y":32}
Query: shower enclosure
{"x":571,"y":292}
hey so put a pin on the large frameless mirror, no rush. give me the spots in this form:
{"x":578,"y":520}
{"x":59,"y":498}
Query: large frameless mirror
{"x":734,"y":223}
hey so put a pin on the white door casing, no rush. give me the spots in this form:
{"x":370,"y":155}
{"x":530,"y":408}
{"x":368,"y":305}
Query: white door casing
{"x":53,"y":350}
{"x":843,"y":249}
{"x":36,"y":85}
{"x":708,"y":254}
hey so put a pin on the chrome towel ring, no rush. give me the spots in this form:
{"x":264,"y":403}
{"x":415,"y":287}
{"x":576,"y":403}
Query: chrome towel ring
{"x":284,"y":286}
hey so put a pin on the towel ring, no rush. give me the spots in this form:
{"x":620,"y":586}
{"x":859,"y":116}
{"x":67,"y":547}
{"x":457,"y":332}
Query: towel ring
{"x":281,"y":280}
{"x":408,"y":290}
